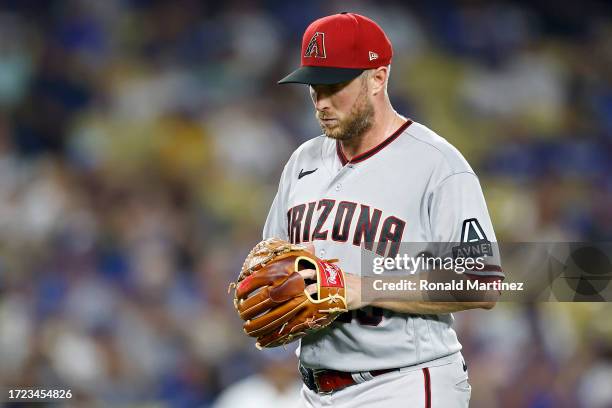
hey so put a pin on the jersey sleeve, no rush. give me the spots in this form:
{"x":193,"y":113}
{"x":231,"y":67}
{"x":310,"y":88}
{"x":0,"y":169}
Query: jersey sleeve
{"x":276,"y":222}
{"x":459,"y":217}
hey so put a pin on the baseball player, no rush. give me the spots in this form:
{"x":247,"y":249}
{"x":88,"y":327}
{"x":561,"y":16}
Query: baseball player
{"x":375,"y":179}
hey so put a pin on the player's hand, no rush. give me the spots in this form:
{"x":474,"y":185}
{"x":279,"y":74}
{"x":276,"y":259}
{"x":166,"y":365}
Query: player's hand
{"x":352,"y":285}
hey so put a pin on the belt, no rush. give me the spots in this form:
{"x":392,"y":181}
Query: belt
{"x":328,"y":381}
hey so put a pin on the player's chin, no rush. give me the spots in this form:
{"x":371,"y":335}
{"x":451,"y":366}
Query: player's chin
{"x":333,"y":132}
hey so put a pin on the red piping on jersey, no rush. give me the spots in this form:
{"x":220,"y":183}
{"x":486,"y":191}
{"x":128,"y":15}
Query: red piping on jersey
{"x":375,"y":149}
{"x":427,"y":387}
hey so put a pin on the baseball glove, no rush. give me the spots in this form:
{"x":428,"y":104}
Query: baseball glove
{"x":271,"y":296}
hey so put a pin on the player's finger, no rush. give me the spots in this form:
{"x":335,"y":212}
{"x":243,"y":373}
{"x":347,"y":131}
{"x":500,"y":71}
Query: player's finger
{"x":312,"y":288}
{"x":310,"y":248}
{"x":308,"y":273}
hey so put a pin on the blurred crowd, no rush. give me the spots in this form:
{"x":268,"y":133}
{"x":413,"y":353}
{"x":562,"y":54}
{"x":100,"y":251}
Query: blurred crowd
{"x":141,"y":143}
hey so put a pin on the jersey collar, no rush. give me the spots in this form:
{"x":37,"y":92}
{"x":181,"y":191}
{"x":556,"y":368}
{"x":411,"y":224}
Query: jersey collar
{"x":369,"y":153}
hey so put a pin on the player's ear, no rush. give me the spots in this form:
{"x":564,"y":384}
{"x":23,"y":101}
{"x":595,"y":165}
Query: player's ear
{"x":378,"y":79}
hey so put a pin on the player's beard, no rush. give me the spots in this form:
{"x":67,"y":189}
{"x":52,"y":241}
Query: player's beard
{"x":356,"y":124}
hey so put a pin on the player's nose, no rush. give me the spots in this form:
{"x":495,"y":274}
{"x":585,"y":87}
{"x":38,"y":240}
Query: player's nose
{"x":319,"y":98}
{"x":322,"y":104}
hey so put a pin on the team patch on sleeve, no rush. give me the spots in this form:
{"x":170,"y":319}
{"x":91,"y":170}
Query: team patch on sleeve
{"x":474,"y":242}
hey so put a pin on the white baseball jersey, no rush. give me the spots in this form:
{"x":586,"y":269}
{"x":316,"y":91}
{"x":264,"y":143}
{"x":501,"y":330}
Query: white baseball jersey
{"x":412,"y":187}
{"x":257,"y":392}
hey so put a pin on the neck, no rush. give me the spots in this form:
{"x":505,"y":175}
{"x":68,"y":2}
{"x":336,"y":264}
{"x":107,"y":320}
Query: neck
{"x":385,"y":122}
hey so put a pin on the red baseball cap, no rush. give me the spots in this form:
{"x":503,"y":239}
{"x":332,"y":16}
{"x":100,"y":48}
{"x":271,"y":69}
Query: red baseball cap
{"x":338,"y":48}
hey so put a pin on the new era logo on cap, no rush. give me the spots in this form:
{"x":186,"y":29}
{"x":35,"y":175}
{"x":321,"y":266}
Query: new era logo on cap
{"x":338,"y":48}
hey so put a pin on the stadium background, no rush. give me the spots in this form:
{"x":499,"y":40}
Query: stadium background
{"x":140,"y":147}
